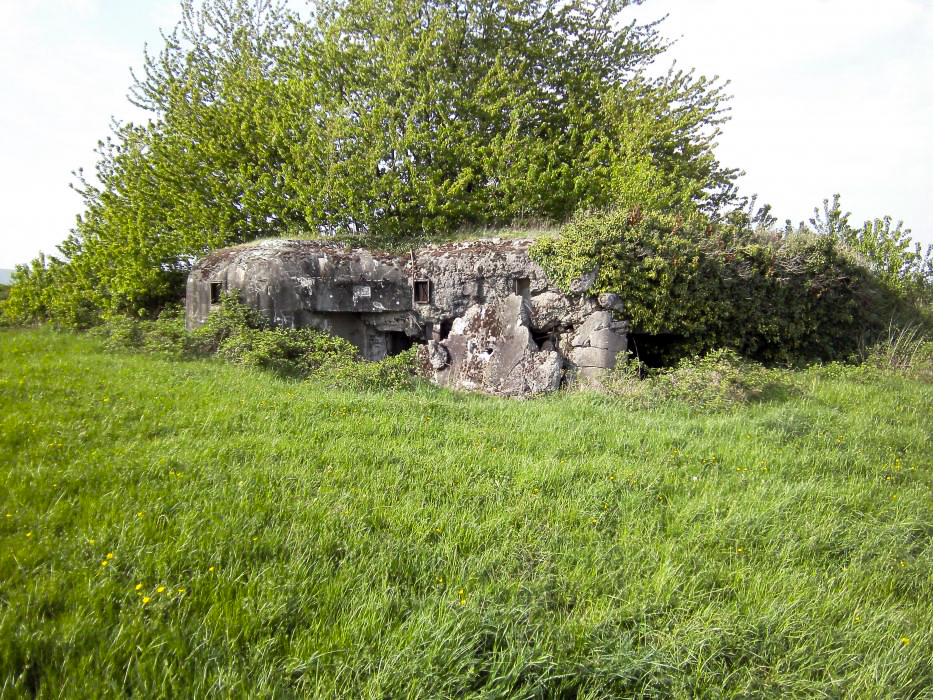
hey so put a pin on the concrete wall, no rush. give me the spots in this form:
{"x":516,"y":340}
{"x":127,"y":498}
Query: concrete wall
{"x":486,"y":292}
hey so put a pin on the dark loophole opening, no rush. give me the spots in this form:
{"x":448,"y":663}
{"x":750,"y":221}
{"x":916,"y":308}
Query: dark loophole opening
{"x":542,"y":338}
{"x":446,"y":325}
{"x":661,"y":350}
{"x":523,"y":287}
{"x":422,"y":291}
{"x":216,"y":290}
{"x":398,"y":342}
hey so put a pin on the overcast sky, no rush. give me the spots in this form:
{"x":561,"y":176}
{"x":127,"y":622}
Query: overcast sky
{"x":829,"y":96}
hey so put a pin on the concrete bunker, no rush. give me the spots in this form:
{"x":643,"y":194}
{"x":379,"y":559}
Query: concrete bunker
{"x":485,"y":314}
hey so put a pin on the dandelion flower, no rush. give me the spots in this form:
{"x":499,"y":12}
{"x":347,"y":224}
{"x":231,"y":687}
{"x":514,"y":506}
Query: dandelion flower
{"x":110,"y":555}
{"x":104,"y":563}
{"x":146,"y":599}
{"x":29,"y":534}
{"x":160,"y":589}
{"x":905,"y":641}
{"x":181,"y":590}
{"x":210,"y":568}
{"x":138,"y":586}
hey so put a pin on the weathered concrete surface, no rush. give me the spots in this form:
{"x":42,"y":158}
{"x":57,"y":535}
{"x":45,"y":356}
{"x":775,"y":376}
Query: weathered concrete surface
{"x":593,"y":347}
{"x":358,"y":295}
{"x":490,"y":348}
{"x":487,"y":315}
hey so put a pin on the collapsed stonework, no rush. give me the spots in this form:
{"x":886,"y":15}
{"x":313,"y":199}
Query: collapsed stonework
{"x":484,"y":314}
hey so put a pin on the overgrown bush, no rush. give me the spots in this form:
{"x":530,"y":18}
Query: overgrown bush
{"x":288,"y":351}
{"x":776,"y":299}
{"x":166,"y":335}
{"x":395,"y":372}
{"x":239,"y":334}
{"x":715,"y":381}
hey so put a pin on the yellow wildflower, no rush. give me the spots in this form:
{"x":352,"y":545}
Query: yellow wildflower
{"x":160,"y":589}
{"x":138,"y":586}
{"x":146,"y":599}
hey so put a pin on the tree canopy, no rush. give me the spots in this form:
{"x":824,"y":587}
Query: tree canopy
{"x":385,"y":122}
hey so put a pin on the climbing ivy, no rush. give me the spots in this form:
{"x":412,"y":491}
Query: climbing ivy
{"x":775,"y":298}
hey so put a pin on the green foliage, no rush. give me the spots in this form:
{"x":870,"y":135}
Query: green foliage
{"x":431,"y":116}
{"x":295,"y":540}
{"x":394,"y":372}
{"x":241,"y":335}
{"x":231,"y":319}
{"x":288,"y":351}
{"x":708,"y":285}
{"x":716,"y":381}
{"x":383,"y":122}
{"x":48,"y":288}
{"x":889,"y":252}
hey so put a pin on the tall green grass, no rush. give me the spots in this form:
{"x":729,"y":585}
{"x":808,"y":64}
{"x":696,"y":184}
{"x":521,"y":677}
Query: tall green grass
{"x":194,"y":529}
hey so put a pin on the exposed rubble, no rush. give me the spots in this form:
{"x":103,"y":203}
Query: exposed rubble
{"x":485,"y":314}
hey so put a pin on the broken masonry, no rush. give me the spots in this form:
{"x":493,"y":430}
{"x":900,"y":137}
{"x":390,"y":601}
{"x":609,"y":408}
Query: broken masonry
{"x":484,"y":314}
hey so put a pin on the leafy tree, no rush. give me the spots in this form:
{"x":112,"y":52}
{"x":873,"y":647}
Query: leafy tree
{"x":429,"y":115}
{"x":386,"y":122}
{"x":887,"y":249}
{"x":201,"y":174}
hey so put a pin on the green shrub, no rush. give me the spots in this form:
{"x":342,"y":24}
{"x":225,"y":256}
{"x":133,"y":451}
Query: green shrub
{"x":718,"y":380}
{"x":239,"y":334}
{"x":232,"y":318}
{"x":396,"y":372}
{"x":166,"y":335}
{"x":289,"y":351}
{"x":120,"y":333}
{"x":706,"y":285}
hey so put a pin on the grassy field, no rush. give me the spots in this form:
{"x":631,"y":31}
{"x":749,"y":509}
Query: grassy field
{"x":191,"y":529}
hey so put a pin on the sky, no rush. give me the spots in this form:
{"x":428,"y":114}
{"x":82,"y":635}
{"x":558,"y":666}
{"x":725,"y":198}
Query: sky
{"x":828,"y":96}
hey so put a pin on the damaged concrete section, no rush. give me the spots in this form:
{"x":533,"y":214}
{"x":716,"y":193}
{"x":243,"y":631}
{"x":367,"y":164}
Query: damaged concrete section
{"x":485,"y":315}
{"x":595,"y":345}
{"x":491,"y":348}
